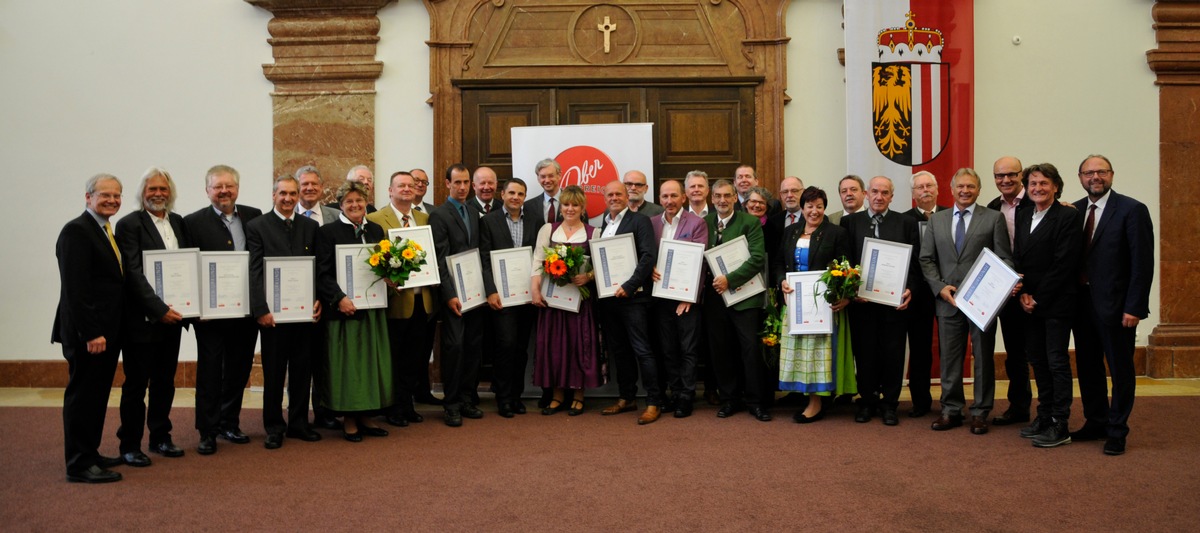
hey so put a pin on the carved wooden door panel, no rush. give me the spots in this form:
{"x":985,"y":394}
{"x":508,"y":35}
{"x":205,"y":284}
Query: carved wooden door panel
{"x":701,"y":128}
{"x":620,"y":105}
{"x":488,"y":117}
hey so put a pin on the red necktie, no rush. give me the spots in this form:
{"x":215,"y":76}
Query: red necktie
{"x":550,"y":217}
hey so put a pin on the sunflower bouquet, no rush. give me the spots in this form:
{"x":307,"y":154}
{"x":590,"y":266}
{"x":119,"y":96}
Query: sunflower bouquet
{"x":397,"y":259}
{"x":563,"y":263}
{"x":841,"y":280}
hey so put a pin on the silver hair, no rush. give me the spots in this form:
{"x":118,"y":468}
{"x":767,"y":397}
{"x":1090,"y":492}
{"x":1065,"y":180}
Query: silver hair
{"x":90,"y":185}
{"x":306,"y":169}
{"x":222,"y":169}
{"x":546,"y":163}
{"x":355,"y":168}
{"x":912,"y":182}
{"x":150,"y":173}
{"x":285,"y":177}
{"x":891,"y":186}
{"x":699,"y":173}
{"x":761,"y":191}
{"x":965,"y":171}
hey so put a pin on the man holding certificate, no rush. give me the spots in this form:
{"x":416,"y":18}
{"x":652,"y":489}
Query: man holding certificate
{"x":286,"y":348}
{"x":877,"y":329}
{"x":953,"y":241}
{"x":626,"y":316}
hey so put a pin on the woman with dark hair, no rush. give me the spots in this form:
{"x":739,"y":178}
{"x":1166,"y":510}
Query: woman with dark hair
{"x":815,"y":365}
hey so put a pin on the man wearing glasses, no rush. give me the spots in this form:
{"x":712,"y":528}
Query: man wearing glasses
{"x":421,"y":185}
{"x":636,"y":186}
{"x":1007,"y":171}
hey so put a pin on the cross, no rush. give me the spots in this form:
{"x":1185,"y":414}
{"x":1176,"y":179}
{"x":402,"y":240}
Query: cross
{"x":607,"y":28}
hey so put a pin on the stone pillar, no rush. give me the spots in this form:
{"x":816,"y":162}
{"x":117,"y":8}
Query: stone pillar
{"x":324,"y":75}
{"x":1174,"y":349}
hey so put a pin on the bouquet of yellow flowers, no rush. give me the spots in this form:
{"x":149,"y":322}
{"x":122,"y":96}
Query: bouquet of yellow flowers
{"x":396,"y":260}
{"x":772,"y":323}
{"x":841,"y":280}
{"x":563,"y":263}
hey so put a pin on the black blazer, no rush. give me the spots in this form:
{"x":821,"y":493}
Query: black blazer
{"x":451,"y":236}
{"x":1021,"y":205}
{"x":266,"y":236}
{"x":473,"y":204}
{"x":1120,"y":263}
{"x":93,"y":288}
{"x":537,"y":206}
{"x":494,"y":235}
{"x":827,"y":243}
{"x":135,"y":234}
{"x":329,"y":236}
{"x":208,"y":232}
{"x":896,"y":227}
{"x":1049,"y":258}
{"x":642,"y":230}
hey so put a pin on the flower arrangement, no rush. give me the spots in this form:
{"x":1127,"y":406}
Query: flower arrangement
{"x":564,"y":262}
{"x":396,"y":260}
{"x":841,"y":280}
{"x":772,"y":323}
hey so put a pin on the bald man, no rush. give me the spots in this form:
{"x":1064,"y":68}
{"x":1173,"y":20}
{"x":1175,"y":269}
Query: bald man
{"x":1012,"y":199}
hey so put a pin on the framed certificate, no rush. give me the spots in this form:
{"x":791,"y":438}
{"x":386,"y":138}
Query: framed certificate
{"x":365,"y":289}
{"x":987,"y":286}
{"x":175,"y":277}
{"x":423,"y":235}
{"x":511,"y":273}
{"x":807,"y":313}
{"x":466,"y":271}
{"x":566,"y":297}
{"x":680,"y":264}
{"x":616,"y":259}
{"x":289,"y":288}
{"x":224,"y":284}
{"x":728,"y":257}
{"x":884,"y":271}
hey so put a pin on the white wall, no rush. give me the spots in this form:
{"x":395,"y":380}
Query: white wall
{"x":128,"y":84}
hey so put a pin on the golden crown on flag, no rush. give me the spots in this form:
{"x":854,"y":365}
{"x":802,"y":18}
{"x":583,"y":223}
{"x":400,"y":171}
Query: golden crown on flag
{"x":911,"y":35}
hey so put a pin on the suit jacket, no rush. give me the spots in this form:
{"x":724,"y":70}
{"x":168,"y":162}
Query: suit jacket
{"x":1120,"y":262}
{"x":93,"y":287}
{"x":943,"y":266}
{"x":473,"y":204}
{"x":1049,"y":258}
{"x":640,"y":227}
{"x":494,"y":235}
{"x":267,"y":236}
{"x":426,"y":208}
{"x":537,"y":206}
{"x":451,"y":235}
{"x":136,"y":233}
{"x":331,"y":235}
{"x":774,"y":230}
{"x":828,"y":242}
{"x":689,"y":227}
{"x":895,"y":228}
{"x":740,"y":224}
{"x":650,"y":209}
{"x":208,"y":232}
{"x":920,"y":217}
{"x":1021,"y":204}
{"x":402,"y":302}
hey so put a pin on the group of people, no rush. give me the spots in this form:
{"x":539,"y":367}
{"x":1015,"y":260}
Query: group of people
{"x":367,"y":365}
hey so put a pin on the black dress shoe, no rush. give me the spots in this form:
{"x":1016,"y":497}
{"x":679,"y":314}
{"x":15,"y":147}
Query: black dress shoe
{"x":397,"y":420}
{"x":207,"y":446}
{"x":761,"y":413}
{"x":428,"y":399}
{"x":306,"y":435}
{"x":166,"y":449}
{"x":683,"y":409}
{"x":728,"y":409}
{"x":863,"y":414}
{"x":505,"y":411}
{"x":472,"y":412}
{"x":235,"y":436}
{"x":918,"y":412}
{"x":1012,"y":416}
{"x":800,"y":418}
{"x":137,"y":459}
{"x":1089,"y":432}
{"x":93,"y":474}
{"x":889,"y":417}
{"x":412,"y":416}
{"x":327,"y":423}
{"x":1035,"y":428}
{"x":373,"y":432}
{"x":453,"y":418}
{"x":357,"y":436}
{"x":109,"y":462}
{"x":274,"y":441}
{"x":1114,"y":446}
{"x":518,"y":407}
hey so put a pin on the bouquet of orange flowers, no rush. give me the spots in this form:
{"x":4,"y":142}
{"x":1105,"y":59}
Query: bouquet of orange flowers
{"x":563,"y":263}
{"x":396,"y":260}
{"x":841,"y":280}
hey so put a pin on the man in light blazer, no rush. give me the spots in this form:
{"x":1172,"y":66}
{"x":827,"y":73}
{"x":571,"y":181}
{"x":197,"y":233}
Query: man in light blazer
{"x":678,"y":323}
{"x":1117,"y":273}
{"x":953,"y":241}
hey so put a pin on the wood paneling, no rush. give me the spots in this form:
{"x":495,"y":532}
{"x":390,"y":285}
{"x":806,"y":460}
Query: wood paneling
{"x":490,"y":115}
{"x":703,"y":128}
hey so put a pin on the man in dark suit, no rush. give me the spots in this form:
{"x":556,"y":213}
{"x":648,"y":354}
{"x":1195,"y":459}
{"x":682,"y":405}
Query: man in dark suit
{"x":745,"y":380}
{"x":678,"y":323}
{"x":503,"y":229}
{"x":851,"y":192}
{"x":1118,"y":270}
{"x":483,"y":192}
{"x":87,"y":323}
{"x":456,"y":230}
{"x":878,"y":330}
{"x":921,"y":318}
{"x":286,"y":347}
{"x":224,"y":348}
{"x":790,"y":190}
{"x":1012,"y":200}
{"x":420,"y":186}
{"x":954,"y":240}
{"x":545,"y":205}
{"x":744,"y":179}
{"x":625,"y":317}
{"x":151,"y":351}
{"x":637,"y":187}
{"x":312,"y":190}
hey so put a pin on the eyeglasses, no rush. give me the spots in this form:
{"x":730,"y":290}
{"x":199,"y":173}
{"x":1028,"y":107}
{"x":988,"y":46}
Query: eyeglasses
{"x":1009,"y":175}
{"x":755,"y":202}
{"x":1095,"y":173}
{"x":630,"y":184}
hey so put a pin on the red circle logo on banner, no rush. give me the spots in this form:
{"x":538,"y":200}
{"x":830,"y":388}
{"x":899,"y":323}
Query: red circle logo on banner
{"x":591,"y":169}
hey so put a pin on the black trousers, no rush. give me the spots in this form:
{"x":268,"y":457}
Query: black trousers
{"x":679,"y":337}
{"x":462,"y":346}
{"x":512,"y":327}
{"x":1016,"y":362}
{"x":737,"y":352}
{"x":286,"y":357}
{"x":320,"y":370}
{"x":85,"y":402}
{"x":877,"y":333}
{"x":148,"y":365}
{"x":224,"y":357}
{"x":1047,"y":350}
{"x":920,"y":319}
{"x":1096,"y":343}
{"x":408,"y":339}
{"x":626,"y":328}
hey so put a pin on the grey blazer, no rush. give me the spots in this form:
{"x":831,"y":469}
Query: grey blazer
{"x":943,"y":266}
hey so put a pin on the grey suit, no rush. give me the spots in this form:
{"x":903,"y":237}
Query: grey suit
{"x":942,"y":265}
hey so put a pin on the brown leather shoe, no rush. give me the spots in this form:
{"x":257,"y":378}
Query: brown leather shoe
{"x":622,"y":406}
{"x":946,"y":422}
{"x":978,"y":425}
{"x":650,"y":415}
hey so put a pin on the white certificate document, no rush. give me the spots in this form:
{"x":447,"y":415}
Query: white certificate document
{"x":423,"y":235}
{"x":807,"y":313}
{"x":466,"y":271}
{"x":364,"y":289}
{"x":615,"y":260}
{"x":175,"y":277}
{"x":884,"y":271}
{"x":289,"y":288}
{"x":510,"y":272}
{"x":728,"y":257}
{"x":985,"y":289}
{"x":566,"y":297}
{"x":680,"y":264}
{"x":224,"y":284}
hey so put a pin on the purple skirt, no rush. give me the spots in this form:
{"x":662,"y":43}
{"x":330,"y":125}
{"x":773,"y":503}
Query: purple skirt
{"x":567,"y":352}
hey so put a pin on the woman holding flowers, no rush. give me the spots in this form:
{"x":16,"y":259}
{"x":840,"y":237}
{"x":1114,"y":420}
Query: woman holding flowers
{"x":566,"y":356}
{"x":358,"y":380}
{"x":815,"y":365}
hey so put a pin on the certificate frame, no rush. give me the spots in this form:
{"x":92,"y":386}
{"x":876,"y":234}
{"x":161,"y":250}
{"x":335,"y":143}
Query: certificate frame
{"x":429,"y":273}
{"x":365,"y":289}
{"x":227,"y":266}
{"x":681,"y":264}
{"x":884,"y":271}
{"x":285,"y":306}
{"x":808,"y":313}
{"x":174,"y":275}
{"x":566,"y":298}
{"x":985,"y":289}
{"x":466,"y":272}
{"x":511,"y":272}
{"x":728,"y":257}
{"x":615,"y":259}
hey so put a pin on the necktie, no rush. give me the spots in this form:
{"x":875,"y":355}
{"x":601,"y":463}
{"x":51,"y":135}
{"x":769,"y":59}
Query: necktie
{"x":791,"y":219}
{"x":404,"y":221}
{"x":462,"y":212}
{"x":287,"y":224}
{"x":927,"y":214}
{"x":418,"y":207}
{"x":487,"y":208}
{"x":307,"y":213}
{"x":960,"y":231}
{"x":551,"y":216}
{"x":358,"y":231}
{"x":877,"y":220}
{"x":113,"y":242}
{"x":1089,"y":227}
{"x":720,"y":231}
